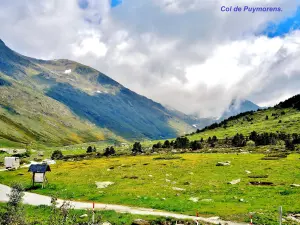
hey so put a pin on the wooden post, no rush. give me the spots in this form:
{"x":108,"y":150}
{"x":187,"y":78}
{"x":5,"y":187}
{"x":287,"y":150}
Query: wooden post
{"x":93,"y":216}
{"x":280,"y":215}
{"x":33,"y":179}
{"x":43,"y":184}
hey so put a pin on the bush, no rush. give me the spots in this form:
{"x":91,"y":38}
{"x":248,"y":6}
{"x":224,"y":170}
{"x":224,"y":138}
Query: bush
{"x":57,"y":154}
{"x":250,"y":143}
{"x":137,"y":148}
{"x":109,"y":151}
{"x":289,"y":145}
{"x":14,"y":211}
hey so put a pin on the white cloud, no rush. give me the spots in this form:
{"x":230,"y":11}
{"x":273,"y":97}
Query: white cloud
{"x":184,"y":53}
{"x":89,"y":44}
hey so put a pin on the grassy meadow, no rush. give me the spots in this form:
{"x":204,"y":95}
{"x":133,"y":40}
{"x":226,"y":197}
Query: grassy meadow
{"x":172,"y":182}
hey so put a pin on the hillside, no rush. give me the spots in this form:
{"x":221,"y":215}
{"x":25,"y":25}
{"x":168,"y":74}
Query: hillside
{"x":61,"y":102}
{"x":284,"y":117}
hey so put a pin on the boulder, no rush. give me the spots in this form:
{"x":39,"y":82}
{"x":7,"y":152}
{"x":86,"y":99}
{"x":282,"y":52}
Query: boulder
{"x":235,"y":181}
{"x":83,"y":216}
{"x":178,"y":189}
{"x":140,"y":222}
{"x":227,"y":163}
{"x":295,"y":185}
{"x":104,"y":184}
{"x":106,"y":223}
{"x":194,"y":199}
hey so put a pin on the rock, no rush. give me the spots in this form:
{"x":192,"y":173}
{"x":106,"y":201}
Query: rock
{"x":247,"y":171}
{"x":83,"y":216}
{"x":295,"y":185}
{"x":49,"y":161}
{"x":106,"y":223}
{"x":178,"y":189}
{"x":293,"y":218}
{"x":241,"y":200}
{"x":104,"y":184}
{"x":140,"y":222}
{"x":194,"y":199}
{"x":227,"y":163}
{"x":150,"y":175}
{"x":235,"y":181}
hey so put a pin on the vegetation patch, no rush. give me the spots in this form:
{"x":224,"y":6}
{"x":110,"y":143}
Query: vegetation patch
{"x":262,"y":183}
{"x":167,"y":157}
{"x":258,"y":176}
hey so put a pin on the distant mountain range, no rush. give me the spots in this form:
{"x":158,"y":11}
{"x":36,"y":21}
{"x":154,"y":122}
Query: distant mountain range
{"x":62,"y":102}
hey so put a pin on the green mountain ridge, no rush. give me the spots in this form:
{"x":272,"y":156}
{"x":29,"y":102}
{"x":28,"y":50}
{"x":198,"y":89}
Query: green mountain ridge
{"x":283,"y":117}
{"x":62,"y":102}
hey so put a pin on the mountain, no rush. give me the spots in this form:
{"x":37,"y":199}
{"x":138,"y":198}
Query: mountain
{"x":236,"y":107}
{"x":60,"y":102}
{"x":283,"y":117}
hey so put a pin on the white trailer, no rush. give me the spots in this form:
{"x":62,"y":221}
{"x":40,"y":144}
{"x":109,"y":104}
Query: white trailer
{"x":12,"y":162}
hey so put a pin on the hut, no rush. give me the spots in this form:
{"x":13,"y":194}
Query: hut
{"x":12,"y":162}
{"x":39,"y":173}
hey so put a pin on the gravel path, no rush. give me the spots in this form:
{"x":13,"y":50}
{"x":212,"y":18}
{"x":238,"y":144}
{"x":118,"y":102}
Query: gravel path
{"x":36,"y":199}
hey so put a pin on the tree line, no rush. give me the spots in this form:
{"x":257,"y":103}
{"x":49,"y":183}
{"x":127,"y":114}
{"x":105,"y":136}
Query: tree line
{"x":238,"y":140}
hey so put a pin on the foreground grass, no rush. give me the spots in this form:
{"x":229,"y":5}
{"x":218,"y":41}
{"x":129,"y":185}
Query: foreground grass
{"x":38,"y":215}
{"x":142,"y":181}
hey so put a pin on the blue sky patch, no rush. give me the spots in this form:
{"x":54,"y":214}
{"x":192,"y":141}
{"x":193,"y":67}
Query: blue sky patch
{"x":283,"y":27}
{"x":115,"y":3}
{"x":83,"y":4}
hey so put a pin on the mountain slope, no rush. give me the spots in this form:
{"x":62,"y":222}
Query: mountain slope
{"x":236,"y":107}
{"x":98,"y":105}
{"x":284,"y":117}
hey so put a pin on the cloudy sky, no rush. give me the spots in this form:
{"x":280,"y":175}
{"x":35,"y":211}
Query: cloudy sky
{"x":183,"y":53}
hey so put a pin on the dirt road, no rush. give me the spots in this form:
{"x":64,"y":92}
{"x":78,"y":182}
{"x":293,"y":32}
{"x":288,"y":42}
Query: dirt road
{"x":36,"y":199}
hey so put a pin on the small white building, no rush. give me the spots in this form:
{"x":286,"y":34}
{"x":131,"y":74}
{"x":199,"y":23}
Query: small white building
{"x":12,"y":162}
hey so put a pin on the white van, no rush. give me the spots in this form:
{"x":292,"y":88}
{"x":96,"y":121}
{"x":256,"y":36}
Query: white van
{"x":12,"y":162}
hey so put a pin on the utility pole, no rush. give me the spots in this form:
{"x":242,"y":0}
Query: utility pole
{"x":280,"y":215}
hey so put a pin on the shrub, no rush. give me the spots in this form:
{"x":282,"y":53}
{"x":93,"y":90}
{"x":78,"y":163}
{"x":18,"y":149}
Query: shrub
{"x":14,"y":212}
{"x":109,"y":151}
{"x":57,"y":154}
{"x":289,"y":145}
{"x":89,"y":149}
{"x":250,"y":143}
{"x":137,"y":148}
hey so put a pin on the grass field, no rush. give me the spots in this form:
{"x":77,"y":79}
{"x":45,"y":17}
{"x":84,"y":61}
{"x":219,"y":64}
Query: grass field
{"x":151,"y":181}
